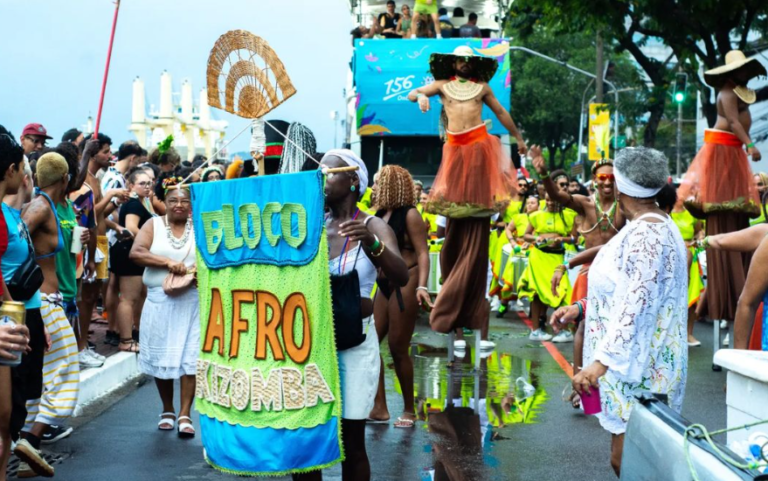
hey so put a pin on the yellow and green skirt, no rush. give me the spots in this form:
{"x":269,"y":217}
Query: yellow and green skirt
{"x":513,"y":270}
{"x":695,"y":283}
{"x":496,"y":255}
{"x":537,"y":279}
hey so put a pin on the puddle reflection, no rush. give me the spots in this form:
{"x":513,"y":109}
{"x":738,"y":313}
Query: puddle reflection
{"x":464,"y":409}
{"x":507,"y":389}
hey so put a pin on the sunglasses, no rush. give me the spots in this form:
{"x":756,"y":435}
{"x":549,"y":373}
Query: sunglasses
{"x":603,"y":177}
{"x":562,"y":184}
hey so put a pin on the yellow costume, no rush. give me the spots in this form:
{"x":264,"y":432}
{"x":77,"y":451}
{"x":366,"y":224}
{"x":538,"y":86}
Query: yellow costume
{"x":508,"y":277}
{"x":365,"y":202}
{"x":686,"y":223}
{"x":536,"y":280}
{"x":498,"y":241}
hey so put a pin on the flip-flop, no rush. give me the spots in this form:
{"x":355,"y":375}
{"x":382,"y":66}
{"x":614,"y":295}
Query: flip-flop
{"x":376,"y":421}
{"x":167,"y":424}
{"x":186,"y":425}
{"x":404,"y":423}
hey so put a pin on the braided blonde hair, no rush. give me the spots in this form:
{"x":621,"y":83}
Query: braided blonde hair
{"x":395,"y":188}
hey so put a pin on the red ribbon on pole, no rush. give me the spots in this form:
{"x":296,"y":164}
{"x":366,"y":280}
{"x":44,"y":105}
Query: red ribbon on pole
{"x":106,"y":69}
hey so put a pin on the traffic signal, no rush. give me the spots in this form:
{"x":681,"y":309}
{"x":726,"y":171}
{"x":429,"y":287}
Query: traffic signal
{"x":681,"y":86}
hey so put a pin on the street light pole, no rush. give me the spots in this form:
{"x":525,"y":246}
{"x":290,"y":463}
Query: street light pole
{"x":679,"y":135}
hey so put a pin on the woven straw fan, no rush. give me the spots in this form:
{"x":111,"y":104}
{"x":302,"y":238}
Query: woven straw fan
{"x":250,"y":74}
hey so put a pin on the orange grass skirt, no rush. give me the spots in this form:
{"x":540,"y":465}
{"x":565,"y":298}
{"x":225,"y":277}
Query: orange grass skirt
{"x":476,"y":178}
{"x":720,"y":178}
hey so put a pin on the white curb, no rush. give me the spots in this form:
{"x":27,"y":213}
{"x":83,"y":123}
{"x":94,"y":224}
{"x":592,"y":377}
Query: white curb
{"x":96,"y":383}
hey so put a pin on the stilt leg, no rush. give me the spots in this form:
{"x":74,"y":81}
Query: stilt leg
{"x":716,"y":342}
{"x":477,"y":350}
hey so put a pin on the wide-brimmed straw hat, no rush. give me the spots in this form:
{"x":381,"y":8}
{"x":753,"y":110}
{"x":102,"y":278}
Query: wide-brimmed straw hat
{"x":735,"y":61}
{"x":441,"y":64}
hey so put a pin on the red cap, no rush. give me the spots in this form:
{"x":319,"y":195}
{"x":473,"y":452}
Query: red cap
{"x":35,"y":129}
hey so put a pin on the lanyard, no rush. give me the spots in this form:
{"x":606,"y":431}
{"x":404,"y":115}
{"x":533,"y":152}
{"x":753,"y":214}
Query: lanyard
{"x":344,"y":249}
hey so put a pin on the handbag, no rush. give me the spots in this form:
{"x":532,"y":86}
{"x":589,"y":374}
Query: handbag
{"x":28,"y":277}
{"x":175,"y":284}
{"x":347,"y":312}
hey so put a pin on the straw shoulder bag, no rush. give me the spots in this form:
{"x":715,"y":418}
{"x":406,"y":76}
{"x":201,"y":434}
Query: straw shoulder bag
{"x":175,"y":284}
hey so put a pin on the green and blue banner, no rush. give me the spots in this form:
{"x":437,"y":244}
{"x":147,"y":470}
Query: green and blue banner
{"x":268,"y":388}
{"x":387,"y":70}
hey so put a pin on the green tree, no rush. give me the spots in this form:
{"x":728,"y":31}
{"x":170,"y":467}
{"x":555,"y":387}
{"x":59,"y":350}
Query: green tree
{"x":698,"y":32}
{"x":546,"y":97}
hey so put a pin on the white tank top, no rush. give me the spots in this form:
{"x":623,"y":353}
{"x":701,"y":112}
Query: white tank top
{"x":161,"y":246}
{"x":366,"y":271}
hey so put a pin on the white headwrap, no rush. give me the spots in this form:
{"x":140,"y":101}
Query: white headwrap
{"x":352,"y":160}
{"x":627,"y":187}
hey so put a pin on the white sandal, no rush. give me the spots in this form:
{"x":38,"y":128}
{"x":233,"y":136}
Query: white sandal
{"x":167,"y":424}
{"x":186,"y":425}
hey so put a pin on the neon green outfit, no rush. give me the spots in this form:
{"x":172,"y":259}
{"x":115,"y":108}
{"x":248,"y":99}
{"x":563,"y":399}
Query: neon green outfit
{"x":365,"y":202}
{"x":759,"y":220}
{"x":426,"y":7}
{"x":686,"y":223}
{"x":508,"y":277}
{"x":498,"y":241}
{"x":537,"y":277}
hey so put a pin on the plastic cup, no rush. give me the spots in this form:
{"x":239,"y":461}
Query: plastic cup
{"x":590,"y":401}
{"x":77,"y":233}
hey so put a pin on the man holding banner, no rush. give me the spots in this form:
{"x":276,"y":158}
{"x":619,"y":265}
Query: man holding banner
{"x":475,"y":181}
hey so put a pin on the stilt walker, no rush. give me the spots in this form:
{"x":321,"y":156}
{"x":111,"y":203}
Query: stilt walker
{"x":475,"y":181}
{"x":718,"y":186}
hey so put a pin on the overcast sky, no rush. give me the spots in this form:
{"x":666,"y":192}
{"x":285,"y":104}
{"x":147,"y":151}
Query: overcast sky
{"x":53,"y":54}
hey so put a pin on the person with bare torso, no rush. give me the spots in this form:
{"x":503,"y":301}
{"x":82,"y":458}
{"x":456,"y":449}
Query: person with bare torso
{"x":395,"y":309}
{"x":98,"y":155}
{"x":475,"y":181}
{"x":718,"y":186}
{"x":61,"y":367}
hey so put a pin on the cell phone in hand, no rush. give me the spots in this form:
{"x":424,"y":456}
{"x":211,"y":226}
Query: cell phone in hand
{"x":515,"y":154}
{"x":125,"y":234}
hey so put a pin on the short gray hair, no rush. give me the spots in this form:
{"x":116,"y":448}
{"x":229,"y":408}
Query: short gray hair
{"x":646,"y":167}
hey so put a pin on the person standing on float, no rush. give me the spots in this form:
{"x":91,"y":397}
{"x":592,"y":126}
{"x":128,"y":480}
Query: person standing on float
{"x":718,"y":186}
{"x":475,"y":181}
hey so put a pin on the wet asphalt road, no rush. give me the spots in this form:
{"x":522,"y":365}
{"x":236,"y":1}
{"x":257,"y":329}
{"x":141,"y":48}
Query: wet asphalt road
{"x":542,"y":437}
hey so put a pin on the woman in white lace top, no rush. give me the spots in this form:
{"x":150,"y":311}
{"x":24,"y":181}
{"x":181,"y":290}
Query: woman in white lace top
{"x":636,"y":309}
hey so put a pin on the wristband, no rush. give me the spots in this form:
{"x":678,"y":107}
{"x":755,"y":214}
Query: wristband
{"x":376,"y":243}
{"x":422,"y":288}
{"x":581,"y":312}
{"x":381,"y":251}
{"x":750,"y":145}
{"x":419,"y":95}
{"x":705,"y":243}
{"x":543,"y":176}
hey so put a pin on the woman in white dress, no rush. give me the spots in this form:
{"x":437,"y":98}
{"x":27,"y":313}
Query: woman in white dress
{"x":636,"y":309}
{"x":359,"y":244}
{"x":170,"y":325}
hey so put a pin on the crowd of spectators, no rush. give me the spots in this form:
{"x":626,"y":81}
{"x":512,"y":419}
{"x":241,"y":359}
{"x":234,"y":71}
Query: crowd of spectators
{"x":421,"y":22}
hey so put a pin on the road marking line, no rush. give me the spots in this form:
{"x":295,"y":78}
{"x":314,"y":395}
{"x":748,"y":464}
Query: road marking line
{"x":551,"y":348}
